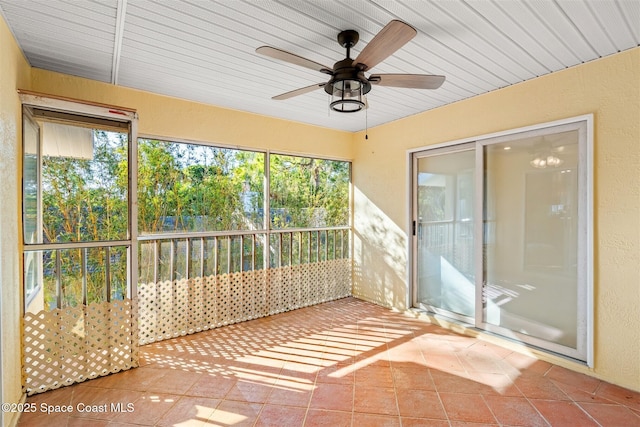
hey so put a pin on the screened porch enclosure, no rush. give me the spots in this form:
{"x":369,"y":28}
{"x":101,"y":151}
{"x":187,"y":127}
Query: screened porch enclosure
{"x":131,"y":241}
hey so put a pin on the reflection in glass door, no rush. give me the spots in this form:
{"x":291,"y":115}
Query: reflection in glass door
{"x":531,"y":238}
{"x":444,"y":245}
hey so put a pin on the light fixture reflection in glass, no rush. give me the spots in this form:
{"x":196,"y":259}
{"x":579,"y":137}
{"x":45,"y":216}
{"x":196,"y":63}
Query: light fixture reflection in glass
{"x":542,"y":162}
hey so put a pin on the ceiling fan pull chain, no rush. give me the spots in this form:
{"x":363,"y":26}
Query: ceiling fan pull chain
{"x":366,"y":123}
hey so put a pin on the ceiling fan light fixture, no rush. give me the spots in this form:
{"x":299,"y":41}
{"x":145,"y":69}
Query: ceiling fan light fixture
{"x":347,"y":96}
{"x":348,"y":84}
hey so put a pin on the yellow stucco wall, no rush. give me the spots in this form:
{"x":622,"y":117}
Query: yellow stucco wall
{"x":171,"y":117}
{"x":14,"y":72}
{"x":610,"y":89}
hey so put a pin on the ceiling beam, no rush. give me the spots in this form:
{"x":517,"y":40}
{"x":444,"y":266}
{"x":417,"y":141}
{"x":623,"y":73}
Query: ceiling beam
{"x":117,"y":42}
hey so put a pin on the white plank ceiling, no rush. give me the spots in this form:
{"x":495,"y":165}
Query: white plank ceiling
{"x":205,"y":50}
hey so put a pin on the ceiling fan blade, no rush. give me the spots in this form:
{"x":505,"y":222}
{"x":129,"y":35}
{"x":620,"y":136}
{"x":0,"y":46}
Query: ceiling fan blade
{"x":391,"y":38}
{"x":414,"y":81}
{"x":300,"y":91}
{"x":292,"y":58}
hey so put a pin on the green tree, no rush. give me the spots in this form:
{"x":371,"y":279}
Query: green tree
{"x":86,"y":200}
{"x":308,"y":192}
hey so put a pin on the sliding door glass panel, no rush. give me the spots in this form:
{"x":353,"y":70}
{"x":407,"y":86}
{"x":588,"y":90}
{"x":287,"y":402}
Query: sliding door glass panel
{"x":445,"y":257}
{"x":531,"y":237}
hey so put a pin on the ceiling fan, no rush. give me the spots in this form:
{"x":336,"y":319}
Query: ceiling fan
{"x":348,"y":83}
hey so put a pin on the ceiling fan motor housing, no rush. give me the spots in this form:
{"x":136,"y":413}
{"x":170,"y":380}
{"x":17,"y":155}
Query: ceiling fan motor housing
{"x":345,"y":71}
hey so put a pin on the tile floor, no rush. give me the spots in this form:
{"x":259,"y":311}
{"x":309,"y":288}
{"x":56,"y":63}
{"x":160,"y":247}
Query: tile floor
{"x":343,"y":363}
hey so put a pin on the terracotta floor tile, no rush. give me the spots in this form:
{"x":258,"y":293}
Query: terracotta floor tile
{"x":337,"y":374}
{"x":192,"y":411}
{"x":514,"y":411}
{"x":301,"y":371}
{"x":174,"y":382}
{"x":374,"y":376}
{"x":246,"y":391}
{"x":214,"y":387}
{"x":457,"y":382}
{"x":332,"y":396}
{"x":280,"y":416}
{"x":534,"y":387}
{"x":458,"y":342}
{"x":412,"y":377}
{"x":420,"y":404}
{"x":148,"y":408}
{"x":86,"y":422}
{"x":581,"y":396}
{"x":375,"y":400}
{"x":375,"y":420}
{"x":423,"y":422}
{"x":580,"y":381}
{"x":407,"y":354}
{"x":443,"y":362}
{"x":468,"y":424}
{"x":563,"y":414}
{"x":621,"y":395}
{"x":236,"y":414}
{"x":489,"y":384}
{"x":478,"y":361}
{"x":527,"y":364}
{"x":432,"y":342}
{"x":291,"y":393}
{"x":375,"y":360}
{"x":612,"y":415}
{"x":492,"y":349}
{"x":466,"y":407}
{"x":324,"y":418}
{"x":42,"y":419}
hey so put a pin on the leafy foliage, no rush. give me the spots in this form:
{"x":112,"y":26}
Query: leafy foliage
{"x":308,"y":192}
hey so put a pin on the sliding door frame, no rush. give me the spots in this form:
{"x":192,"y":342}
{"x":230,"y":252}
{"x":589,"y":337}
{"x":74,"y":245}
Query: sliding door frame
{"x":585,"y":327}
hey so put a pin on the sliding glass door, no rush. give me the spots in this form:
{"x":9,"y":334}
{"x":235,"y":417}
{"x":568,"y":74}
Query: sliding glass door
{"x":502,"y":235}
{"x":444,"y":189}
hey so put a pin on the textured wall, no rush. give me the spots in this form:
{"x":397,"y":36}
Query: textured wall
{"x":14,"y":73}
{"x":610,"y":89}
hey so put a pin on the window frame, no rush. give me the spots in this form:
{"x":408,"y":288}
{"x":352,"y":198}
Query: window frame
{"x":267,"y":230}
{"x":92,"y":113}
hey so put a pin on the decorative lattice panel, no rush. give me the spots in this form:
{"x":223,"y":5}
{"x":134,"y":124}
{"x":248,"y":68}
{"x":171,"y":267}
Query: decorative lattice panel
{"x":70,"y":345}
{"x":170,"y":309}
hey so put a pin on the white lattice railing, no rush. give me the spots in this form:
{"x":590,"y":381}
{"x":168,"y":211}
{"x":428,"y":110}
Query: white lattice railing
{"x":72,"y":344}
{"x":173,"y":308}
{"x":195,"y":283}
